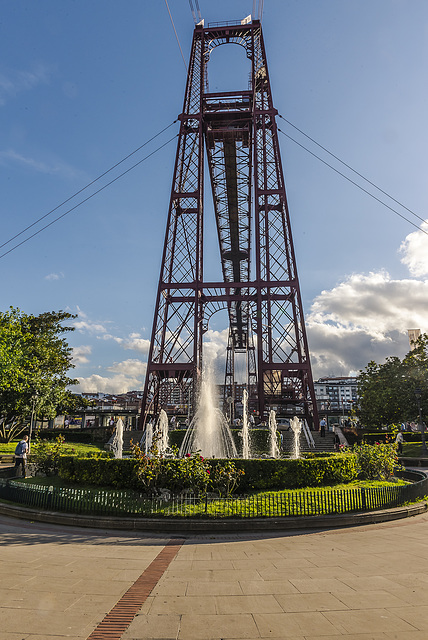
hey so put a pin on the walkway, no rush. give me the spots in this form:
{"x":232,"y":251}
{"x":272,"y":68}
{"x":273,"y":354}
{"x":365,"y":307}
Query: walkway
{"x":361,"y":583}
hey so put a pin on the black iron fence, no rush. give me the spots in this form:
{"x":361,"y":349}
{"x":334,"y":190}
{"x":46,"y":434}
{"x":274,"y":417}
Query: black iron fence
{"x":278,"y":504}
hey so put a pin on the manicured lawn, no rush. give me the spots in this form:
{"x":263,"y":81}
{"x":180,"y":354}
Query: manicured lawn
{"x":74,"y":448}
{"x":311,"y":501}
{"x":412,"y":449}
{"x":56,"y":481}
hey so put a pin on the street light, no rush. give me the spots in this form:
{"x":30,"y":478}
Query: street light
{"x":418,"y":395}
{"x":33,"y":406}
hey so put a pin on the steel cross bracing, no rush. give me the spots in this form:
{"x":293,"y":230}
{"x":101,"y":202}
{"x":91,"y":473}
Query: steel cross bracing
{"x":265,"y":311}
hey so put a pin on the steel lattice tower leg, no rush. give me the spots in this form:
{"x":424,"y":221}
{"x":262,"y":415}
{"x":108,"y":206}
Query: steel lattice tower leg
{"x":263,"y":300}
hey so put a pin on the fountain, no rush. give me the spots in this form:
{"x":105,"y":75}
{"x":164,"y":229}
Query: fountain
{"x":246,"y":444}
{"x":162,"y":432}
{"x":296,"y":427}
{"x":208,"y":432}
{"x":117,"y":444}
{"x":147,"y":438}
{"x":273,"y":438}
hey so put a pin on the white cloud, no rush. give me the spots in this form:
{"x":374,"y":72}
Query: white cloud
{"x":80,"y":354}
{"x":134,"y":342}
{"x":415,"y":251}
{"x":14,"y":81}
{"x":365,"y":317}
{"x":375,"y":303}
{"x":54,"y":276}
{"x":89,"y":326}
{"x":120,"y":383}
{"x":131,"y":367}
{"x":214,"y":353}
{"x":51,"y":167}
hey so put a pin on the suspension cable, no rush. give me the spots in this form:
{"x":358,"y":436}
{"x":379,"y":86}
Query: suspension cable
{"x":351,"y":169}
{"x":89,"y":197}
{"x":176,"y":34}
{"x":88,"y":185}
{"x":353,"y":182}
{"x":192,"y":9}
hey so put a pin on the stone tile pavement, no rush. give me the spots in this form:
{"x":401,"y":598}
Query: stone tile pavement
{"x":358,"y":583}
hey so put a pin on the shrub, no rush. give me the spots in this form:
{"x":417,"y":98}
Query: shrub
{"x":107,"y":472}
{"x":94,"y":434}
{"x":376,"y":462}
{"x":228,"y":475}
{"x":224,"y":478}
{"x":45,"y":455}
{"x":280,"y":474}
{"x":191,"y":473}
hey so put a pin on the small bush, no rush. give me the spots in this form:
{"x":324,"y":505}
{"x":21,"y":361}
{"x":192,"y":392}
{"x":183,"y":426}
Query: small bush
{"x":100,"y":435}
{"x":191,"y":473}
{"x":252,"y":475}
{"x":375,"y":462}
{"x":45,"y":455}
{"x":108,"y":472}
{"x":280,"y":474}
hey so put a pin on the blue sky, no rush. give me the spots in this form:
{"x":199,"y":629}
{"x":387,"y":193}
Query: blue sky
{"x":82,"y":84}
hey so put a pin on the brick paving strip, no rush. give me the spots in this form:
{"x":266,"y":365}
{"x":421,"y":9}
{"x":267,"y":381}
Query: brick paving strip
{"x":120,"y":617}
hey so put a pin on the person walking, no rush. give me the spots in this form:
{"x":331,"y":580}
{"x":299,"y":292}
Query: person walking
{"x":21,"y":456}
{"x":399,"y":442}
{"x":323,"y":425}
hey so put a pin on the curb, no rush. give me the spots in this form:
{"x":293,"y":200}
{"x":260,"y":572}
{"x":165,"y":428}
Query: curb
{"x":187,"y":526}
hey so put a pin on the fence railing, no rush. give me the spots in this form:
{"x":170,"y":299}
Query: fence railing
{"x":286,"y":504}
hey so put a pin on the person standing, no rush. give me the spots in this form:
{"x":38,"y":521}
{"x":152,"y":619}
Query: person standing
{"x":323,"y":425}
{"x":399,"y":442}
{"x":21,"y":456}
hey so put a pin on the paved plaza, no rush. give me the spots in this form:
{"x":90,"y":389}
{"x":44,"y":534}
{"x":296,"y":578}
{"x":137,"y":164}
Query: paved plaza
{"x":359,"y":583}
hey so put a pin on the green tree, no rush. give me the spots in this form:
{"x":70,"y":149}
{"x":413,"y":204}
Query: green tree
{"x":34,"y":361}
{"x":387,"y":391}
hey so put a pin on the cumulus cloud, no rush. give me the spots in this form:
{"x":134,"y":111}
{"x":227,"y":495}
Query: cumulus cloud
{"x":415,"y":251}
{"x":134,"y":342}
{"x":128,"y":376}
{"x":373,"y":302}
{"x":365,"y":317}
{"x":80,"y":354}
{"x":89,"y":326}
{"x":131,"y":367}
{"x":54,"y":276}
{"x":215,"y":344}
{"x":120,"y":383}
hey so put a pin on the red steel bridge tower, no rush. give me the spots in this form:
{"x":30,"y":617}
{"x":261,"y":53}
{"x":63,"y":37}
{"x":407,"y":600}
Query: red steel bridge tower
{"x":259,"y":286}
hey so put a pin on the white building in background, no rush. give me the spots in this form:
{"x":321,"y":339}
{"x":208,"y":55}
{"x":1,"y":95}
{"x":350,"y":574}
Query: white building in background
{"x":336,"y":393}
{"x":413,"y":337}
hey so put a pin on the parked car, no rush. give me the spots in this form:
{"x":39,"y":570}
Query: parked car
{"x":283,"y":424}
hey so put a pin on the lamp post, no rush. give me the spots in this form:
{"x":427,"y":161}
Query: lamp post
{"x":33,"y":406}
{"x":418,"y":395}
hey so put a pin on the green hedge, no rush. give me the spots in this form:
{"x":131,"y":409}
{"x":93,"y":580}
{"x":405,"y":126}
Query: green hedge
{"x":260,"y":443}
{"x":409,"y":436}
{"x":259,"y":475}
{"x":108,"y":472}
{"x":295,"y":474}
{"x":95,"y":434}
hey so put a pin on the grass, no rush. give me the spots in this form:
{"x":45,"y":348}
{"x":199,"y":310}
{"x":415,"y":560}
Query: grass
{"x":77,"y":448}
{"x":310,"y":501}
{"x":412,"y":450}
{"x":56,"y":481}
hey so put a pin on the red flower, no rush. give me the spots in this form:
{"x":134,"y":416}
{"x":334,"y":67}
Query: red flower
{"x":208,"y":471}
{"x":201,"y":458}
{"x":187,"y":455}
